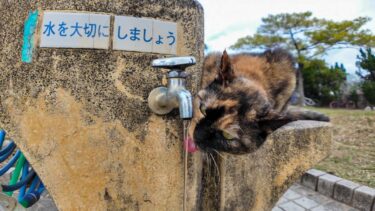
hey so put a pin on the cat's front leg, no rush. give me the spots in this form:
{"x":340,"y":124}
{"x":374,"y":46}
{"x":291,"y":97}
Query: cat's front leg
{"x":304,"y":114}
{"x":274,"y":121}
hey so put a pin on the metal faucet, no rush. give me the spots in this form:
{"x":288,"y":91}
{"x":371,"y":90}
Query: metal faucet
{"x":163,"y":100}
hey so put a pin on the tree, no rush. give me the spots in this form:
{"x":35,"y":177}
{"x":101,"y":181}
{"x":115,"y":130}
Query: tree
{"x":366,"y":62}
{"x":307,"y":37}
{"x":368,"y":88}
{"x":323,"y":83}
{"x":366,"y":71}
{"x":353,"y":96}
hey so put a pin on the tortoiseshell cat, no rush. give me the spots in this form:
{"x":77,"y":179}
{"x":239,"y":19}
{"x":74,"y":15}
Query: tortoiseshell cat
{"x":244,"y":98}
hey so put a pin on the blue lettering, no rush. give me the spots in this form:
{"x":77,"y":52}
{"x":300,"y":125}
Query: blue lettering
{"x":49,"y":29}
{"x":76,"y":30}
{"x":172,"y":38}
{"x":134,"y":34}
{"x":159,"y":41}
{"x":119,"y":34}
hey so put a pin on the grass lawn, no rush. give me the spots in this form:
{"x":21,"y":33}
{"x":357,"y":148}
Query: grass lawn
{"x":353,"y":147}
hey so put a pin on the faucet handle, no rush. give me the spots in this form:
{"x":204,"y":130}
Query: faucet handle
{"x":177,"y":63}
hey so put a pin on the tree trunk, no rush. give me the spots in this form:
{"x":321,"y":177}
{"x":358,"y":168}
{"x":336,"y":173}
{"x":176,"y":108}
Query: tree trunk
{"x":299,"y":88}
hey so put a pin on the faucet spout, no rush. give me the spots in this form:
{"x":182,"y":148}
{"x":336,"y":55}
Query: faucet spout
{"x":185,"y":103}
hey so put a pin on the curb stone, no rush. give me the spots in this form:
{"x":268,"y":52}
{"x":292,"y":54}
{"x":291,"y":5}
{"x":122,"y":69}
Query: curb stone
{"x":344,"y":191}
{"x":326,"y":184}
{"x":310,"y":178}
{"x":362,"y":198}
{"x":353,"y":194}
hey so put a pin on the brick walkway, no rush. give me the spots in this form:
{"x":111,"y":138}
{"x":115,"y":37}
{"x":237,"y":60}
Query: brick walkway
{"x":300,"y":198}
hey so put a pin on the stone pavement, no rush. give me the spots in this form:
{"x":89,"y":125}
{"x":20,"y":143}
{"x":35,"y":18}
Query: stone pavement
{"x":301,"y":198}
{"x":297,"y":198}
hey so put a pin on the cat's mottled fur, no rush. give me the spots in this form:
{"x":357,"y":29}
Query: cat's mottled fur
{"x":244,"y":97}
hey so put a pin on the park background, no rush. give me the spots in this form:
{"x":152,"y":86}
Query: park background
{"x":333,"y":79}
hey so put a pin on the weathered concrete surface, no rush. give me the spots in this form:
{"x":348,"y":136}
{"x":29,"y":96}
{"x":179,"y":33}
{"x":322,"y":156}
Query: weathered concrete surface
{"x":81,"y":116}
{"x":256,"y":181}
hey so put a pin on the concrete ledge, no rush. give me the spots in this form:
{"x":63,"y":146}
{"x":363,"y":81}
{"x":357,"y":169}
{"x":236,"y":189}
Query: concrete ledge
{"x":348,"y":192}
{"x":257,"y":180}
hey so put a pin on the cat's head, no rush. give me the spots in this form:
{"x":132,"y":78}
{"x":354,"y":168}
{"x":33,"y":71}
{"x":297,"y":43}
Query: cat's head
{"x":227,"y":110}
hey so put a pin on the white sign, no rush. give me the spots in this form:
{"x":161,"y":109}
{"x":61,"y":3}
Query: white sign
{"x":75,"y":30}
{"x":86,"y":30}
{"x":144,"y":35}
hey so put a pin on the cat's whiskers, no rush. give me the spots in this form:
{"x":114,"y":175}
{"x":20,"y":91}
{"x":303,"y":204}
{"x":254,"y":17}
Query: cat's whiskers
{"x":217,"y":167}
{"x":208,"y":162}
{"x":218,"y":153}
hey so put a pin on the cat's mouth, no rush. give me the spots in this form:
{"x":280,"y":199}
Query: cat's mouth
{"x":212,"y":140}
{"x":209,"y":138}
{"x":222,"y":145}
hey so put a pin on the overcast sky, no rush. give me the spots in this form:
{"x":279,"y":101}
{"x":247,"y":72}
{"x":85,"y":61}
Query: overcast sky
{"x":226,"y":21}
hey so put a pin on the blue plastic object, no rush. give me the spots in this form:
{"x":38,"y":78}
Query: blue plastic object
{"x":19,"y":184}
{"x":2,"y":137}
{"x":11,"y":162}
{"x":25,"y":171}
{"x":33,"y":194}
{"x":6,"y":154}
{"x":10,"y":146}
{"x":30,"y":185}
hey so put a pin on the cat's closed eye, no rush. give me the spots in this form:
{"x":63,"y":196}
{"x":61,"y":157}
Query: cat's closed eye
{"x":227,"y":136}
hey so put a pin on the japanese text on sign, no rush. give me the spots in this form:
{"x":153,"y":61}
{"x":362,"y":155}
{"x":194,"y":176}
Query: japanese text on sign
{"x":75,"y":30}
{"x":84,"y":30}
{"x":145,"y":35}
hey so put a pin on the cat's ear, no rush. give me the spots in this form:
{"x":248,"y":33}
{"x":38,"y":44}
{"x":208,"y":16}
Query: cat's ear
{"x":225,"y":74}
